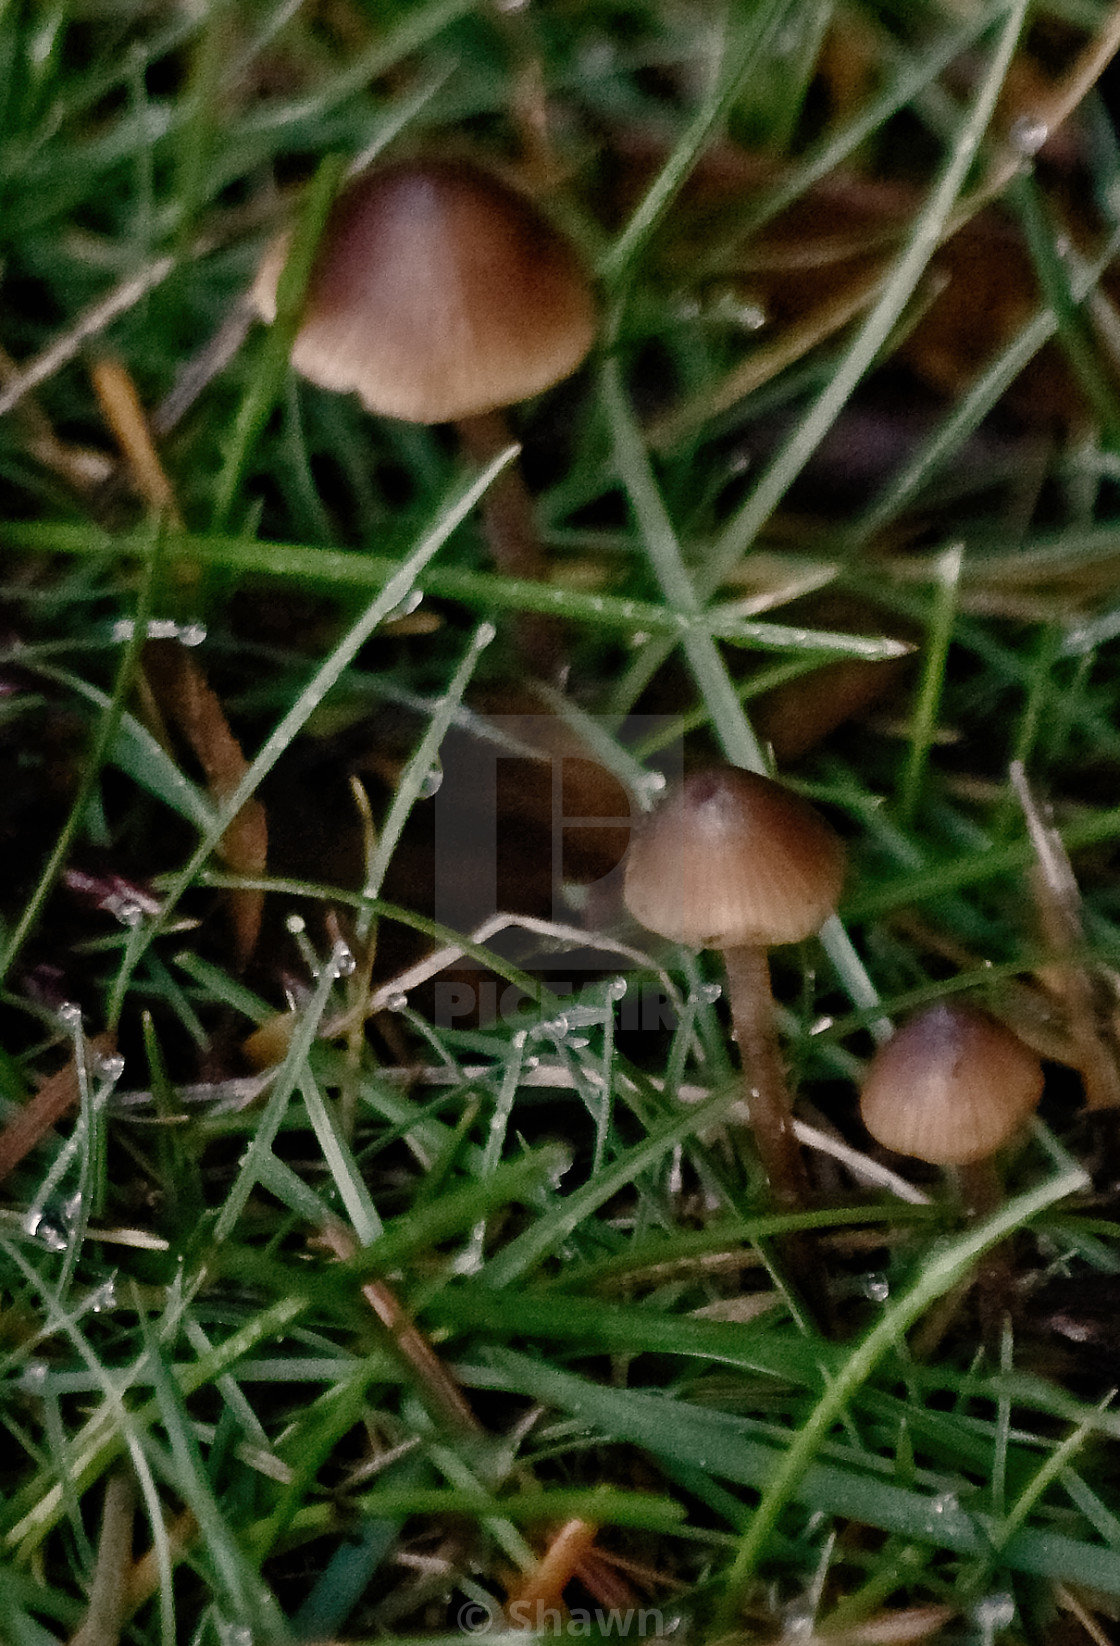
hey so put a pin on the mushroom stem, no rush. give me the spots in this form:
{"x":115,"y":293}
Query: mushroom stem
{"x":509,"y":519}
{"x":771,"y":1110}
{"x":508,"y":508}
{"x":981,"y":1193}
{"x":979,"y":1187}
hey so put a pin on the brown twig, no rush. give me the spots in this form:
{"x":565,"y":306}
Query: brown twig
{"x":441,"y":1393}
{"x":123,"y":411}
{"x":108,"y":1596}
{"x":185,"y":697}
{"x":54,"y":1099}
{"x":1058,"y":902}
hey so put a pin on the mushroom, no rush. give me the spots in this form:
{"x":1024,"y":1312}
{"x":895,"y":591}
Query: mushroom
{"x":441,"y":294}
{"x":737,"y":862}
{"x":951,"y":1088}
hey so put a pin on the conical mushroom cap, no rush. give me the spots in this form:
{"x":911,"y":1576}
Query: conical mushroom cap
{"x":438,"y":292}
{"x":733,"y":858}
{"x":951,"y":1087}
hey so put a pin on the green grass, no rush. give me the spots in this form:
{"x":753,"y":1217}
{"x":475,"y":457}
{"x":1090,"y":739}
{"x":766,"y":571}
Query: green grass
{"x":208,"y":1274}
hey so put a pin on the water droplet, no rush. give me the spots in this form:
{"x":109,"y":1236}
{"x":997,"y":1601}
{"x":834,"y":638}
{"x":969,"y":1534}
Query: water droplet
{"x":532,"y":1063}
{"x":1027,"y":135}
{"x":876,"y":1287}
{"x":344,"y":963}
{"x":708,"y":993}
{"x":788,"y":41}
{"x":653,"y":782}
{"x":994,"y":1612}
{"x":295,"y":923}
{"x":486,"y":632}
{"x":103,"y":1298}
{"x":43,"y":42}
{"x":467,"y":1261}
{"x":597,"y":59}
{"x":563,"y":1166}
{"x":192,"y":634}
{"x":156,"y":628}
{"x":234,"y":1634}
{"x":41,"y":1229}
{"x":70,"y":1211}
{"x":397,"y":1003}
{"x":730,"y":308}
{"x":945,"y":1503}
{"x":639,"y":637}
{"x":616,"y":988}
{"x":799,"y":1622}
{"x":110,"y":1066}
{"x":125,"y":909}
{"x":430,"y":782}
{"x":33,"y":1378}
{"x":70,"y":1014}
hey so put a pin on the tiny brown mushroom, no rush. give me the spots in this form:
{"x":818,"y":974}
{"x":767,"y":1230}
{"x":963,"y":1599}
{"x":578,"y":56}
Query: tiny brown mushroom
{"x":951,"y":1088}
{"x":441,"y":294}
{"x":438,"y":293}
{"x":737,"y":862}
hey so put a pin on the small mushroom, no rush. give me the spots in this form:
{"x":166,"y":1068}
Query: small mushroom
{"x":438,"y":293}
{"x":441,"y":294}
{"x":737,"y":862}
{"x":951,"y":1088}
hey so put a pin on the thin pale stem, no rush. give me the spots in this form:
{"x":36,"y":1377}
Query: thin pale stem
{"x":771,"y":1109}
{"x":979,"y":1187}
{"x":981,"y":1194}
{"x":510,"y":522}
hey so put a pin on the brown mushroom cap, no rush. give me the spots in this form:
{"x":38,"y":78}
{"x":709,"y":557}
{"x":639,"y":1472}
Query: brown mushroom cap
{"x":438,"y":292}
{"x":732,"y":858}
{"x":951,"y":1087}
